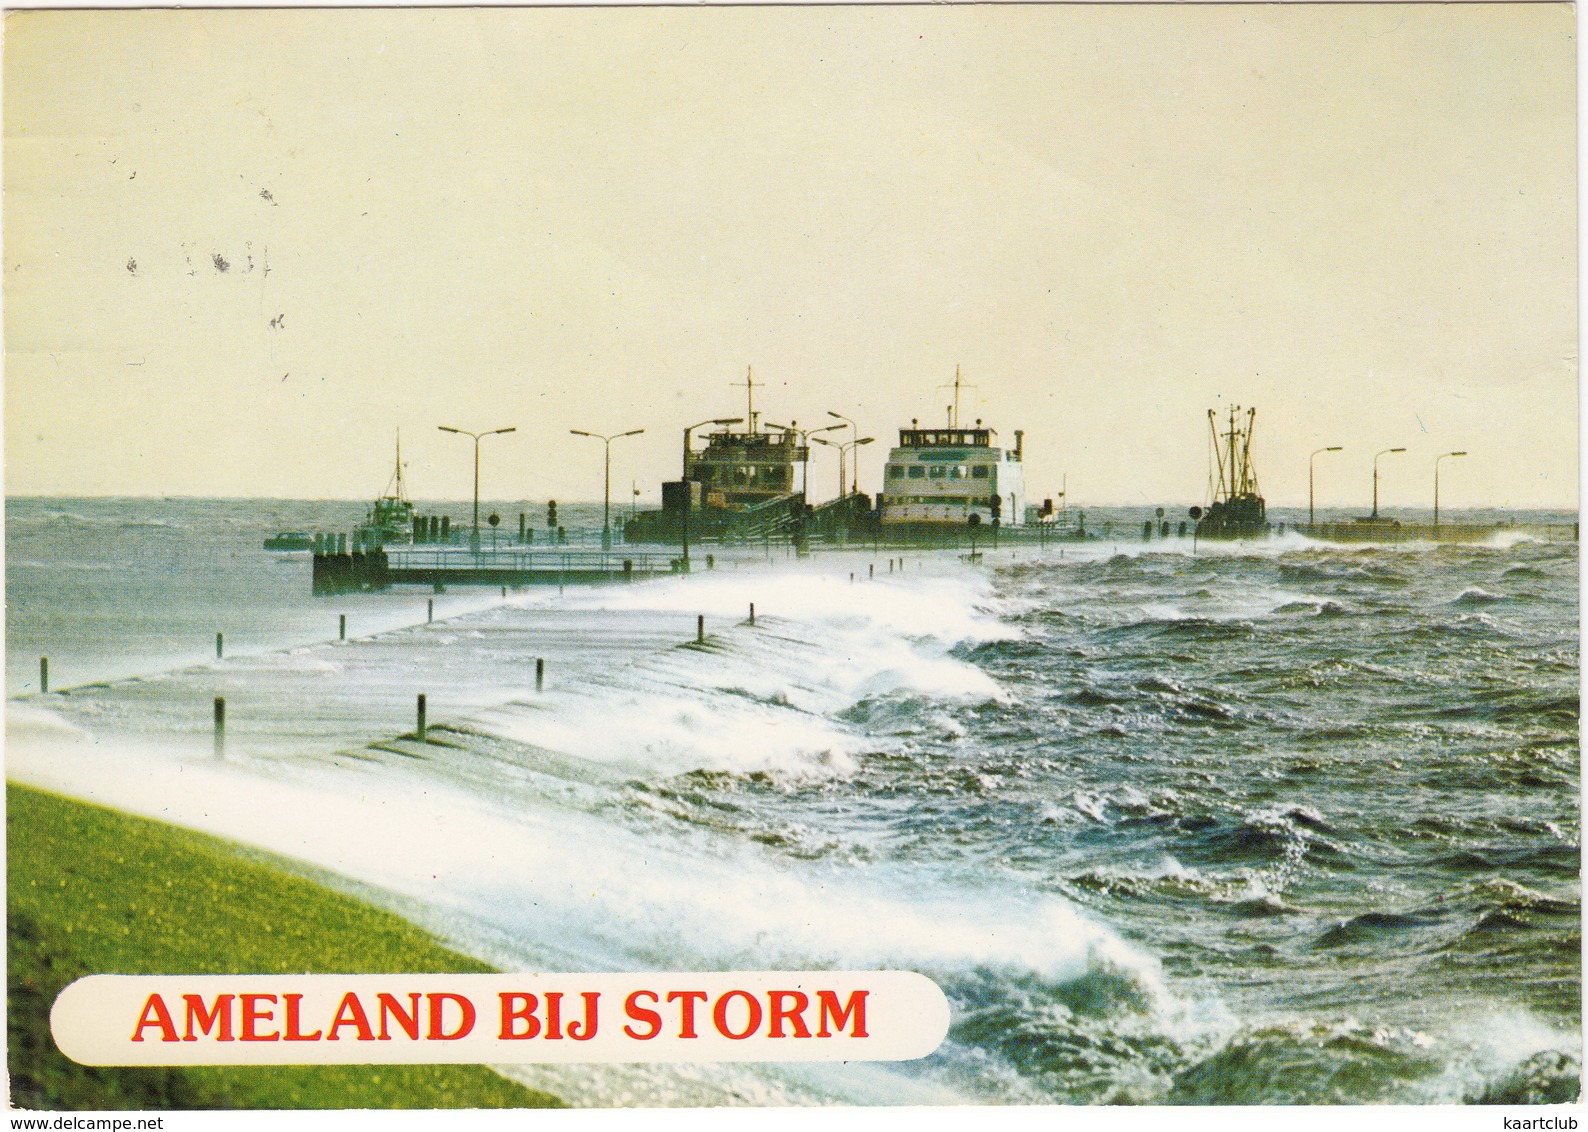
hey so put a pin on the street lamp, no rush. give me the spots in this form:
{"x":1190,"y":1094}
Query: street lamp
{"x":474,"y":539}
{"x":1386,"y":452}
{"x":688,"y":499}
{"x":606,"y":497}
{"x":857,"y":444}
{"x":855,"y":432}
{"x":805,"y":434}
{"x":843,"y":458}
{"x":1310,"y":460}
{"x":1446,"y":456}
{"x":843,"y":473}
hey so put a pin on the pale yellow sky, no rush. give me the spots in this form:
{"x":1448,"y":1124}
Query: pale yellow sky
{"x":1360,"y":219}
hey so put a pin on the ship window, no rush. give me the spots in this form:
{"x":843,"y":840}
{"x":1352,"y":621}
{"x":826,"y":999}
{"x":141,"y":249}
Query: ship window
{"x":979,"y":472}
{"x":956,"y":472}
{"x":917,"y":472}
{"x":895,"y":472}
{"x":937,"y":472}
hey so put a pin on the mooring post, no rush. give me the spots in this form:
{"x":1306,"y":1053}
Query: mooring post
{"x":220,"y":727}
{"x":752,"y":613}
{"x":504,"y":591}
{"x":341,"y":630}
{"x":851,"y":578}
{"x":700,"y":628}
{"x":540,"y":673}
{"x":420,"y":730}
{"x":430,"y":610}
{"x":890,"y":565}
{"x":220,"y":646}
{"x":44,"y":675}
{"x":871,"y":570}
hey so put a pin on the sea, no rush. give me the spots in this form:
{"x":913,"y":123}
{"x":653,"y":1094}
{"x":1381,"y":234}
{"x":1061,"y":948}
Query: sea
{"x":1273,"y":822}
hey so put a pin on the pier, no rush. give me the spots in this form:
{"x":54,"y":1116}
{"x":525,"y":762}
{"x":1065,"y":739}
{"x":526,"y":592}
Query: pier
{"x":439,"y":567}
{"x":1392,"y":530}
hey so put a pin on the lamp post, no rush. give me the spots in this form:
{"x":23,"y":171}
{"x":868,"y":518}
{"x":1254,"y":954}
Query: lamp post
{"x":474,"y":538}
{"x":1310,"y":460}
{"x":688,"y":499}
{"x":805,"y":434}
{"x":856,"y":444}
{"x":1386,"y":452}
{"x":843,"y":473}
{"x":843,"y":459}
{"x":1446,"y":456}
{"x":854,"y":433}
{"x":606,"y":495}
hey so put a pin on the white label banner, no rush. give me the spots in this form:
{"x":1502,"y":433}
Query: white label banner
{"x":499,"y":1018}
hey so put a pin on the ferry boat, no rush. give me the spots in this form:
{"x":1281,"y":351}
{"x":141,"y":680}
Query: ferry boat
{"x":953,"y":476}
{"x":1238,"y":509}
{"x":740,"y":484}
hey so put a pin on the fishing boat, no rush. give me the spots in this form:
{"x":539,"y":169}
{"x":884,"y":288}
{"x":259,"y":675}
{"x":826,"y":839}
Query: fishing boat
{"x":1237,"y":509}
{"x":953,"y":476}
{"x":390,"y":519}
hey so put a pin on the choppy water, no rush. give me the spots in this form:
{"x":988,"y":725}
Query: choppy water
{"x":1269,"y":823}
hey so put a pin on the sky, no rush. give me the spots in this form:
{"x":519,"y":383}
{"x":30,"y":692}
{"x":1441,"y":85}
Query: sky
{"x":243,"y":249}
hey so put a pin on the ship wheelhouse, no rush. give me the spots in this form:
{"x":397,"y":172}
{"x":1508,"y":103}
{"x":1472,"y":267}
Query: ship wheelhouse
{"x":947,"y":476}
{"x":741,"y":469}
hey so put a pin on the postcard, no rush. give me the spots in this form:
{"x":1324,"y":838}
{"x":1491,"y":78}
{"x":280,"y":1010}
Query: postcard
{"x":634,"y":558}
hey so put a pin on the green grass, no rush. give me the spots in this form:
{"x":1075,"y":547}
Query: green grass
{"x":93,"y":891}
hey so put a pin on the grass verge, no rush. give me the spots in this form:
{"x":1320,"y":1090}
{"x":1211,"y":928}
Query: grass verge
{"x":93,"y":891}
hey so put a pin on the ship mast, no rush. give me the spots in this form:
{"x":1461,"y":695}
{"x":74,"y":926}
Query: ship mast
{"x":1232,"y":451}
{"x":394,"y":486}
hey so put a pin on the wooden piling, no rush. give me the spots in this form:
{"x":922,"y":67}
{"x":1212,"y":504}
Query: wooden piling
{"x":871,"y":570}
{"x":44,"y":675}
{"x":700,"y":629}
{"x":220,"y":727}
{"x":752,"y":613}
{"x":220,"y":646}
{"x":341,"y":630}
{"x":540,"y":673}
{"x":430,"y":610}
{"x":419,"y":730}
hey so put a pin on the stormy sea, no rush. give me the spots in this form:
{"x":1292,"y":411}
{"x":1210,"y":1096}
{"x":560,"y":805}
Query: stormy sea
{"x":1273,"y":822}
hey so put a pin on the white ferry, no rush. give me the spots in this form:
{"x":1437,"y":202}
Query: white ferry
{"x":954,"y":476}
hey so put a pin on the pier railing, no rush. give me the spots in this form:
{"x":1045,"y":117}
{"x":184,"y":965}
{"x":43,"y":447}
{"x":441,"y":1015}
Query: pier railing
{"x":439,"y":566}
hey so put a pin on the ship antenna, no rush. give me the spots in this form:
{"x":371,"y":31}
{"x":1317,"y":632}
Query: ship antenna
{"x":953,"y":410}
{"x":1233,"y":490}
{"x":749,"y":394}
